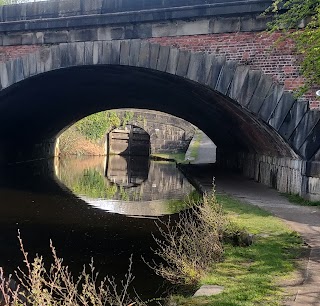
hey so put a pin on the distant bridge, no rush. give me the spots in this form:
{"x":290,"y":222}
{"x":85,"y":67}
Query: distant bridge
{"x":202,"y":60}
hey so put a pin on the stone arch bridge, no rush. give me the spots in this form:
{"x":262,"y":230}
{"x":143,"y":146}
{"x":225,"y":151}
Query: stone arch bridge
{"x":207,"y":62}
{"x":168,"y":134}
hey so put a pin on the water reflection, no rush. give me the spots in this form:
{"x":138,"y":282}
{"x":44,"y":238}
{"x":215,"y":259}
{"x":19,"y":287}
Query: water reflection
{"x":132,"y":186}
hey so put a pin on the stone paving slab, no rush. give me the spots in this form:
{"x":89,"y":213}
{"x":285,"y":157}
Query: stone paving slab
{"x":208,"y":290}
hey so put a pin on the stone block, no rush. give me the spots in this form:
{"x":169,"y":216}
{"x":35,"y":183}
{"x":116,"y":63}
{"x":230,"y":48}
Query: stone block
{"x":196,"y":69}
{"x":118,"y":33}
{"x":313,"y":169}
{"x":193,"y":27}
{"x":282,"y":109}
{"x":249,"y":87}
{"x":64,"y":55}
{"x":154,"y":54}
{"x":27,"y":39}
{"x":238,"y":82}
{"x":88,"y":53}
{"x":33,"y":61}
{"x":209,"y":290}
{"x":4,"y":79}
{"x":143,"y":30}
{"x":183,"y":63}
{"x":115,"y":54}
{"x":173,"y":61}
{"x":12,"y":39}
{"x":134,"y":52}
{"x":164,"y":29}
{"x":144,"y":55}
{"x":312,"y":143}
{"x":89,"y":7}
{"x":293,"y":118}
{"x":226,"y":77}
{"x":46,"y":58}
{"x":51,"y":37}
{"x":163,"y":58}
{"x":105,"y":54}
{"x":224,"y":25}
{"x":260,"y":94}
{"x":80,"y":57}
{"x":40,"y":65}
{"x":104,"y":33}
{"x":90,"y":34}
{"x":26,"y":69}
{"x":124,"y":52}
{"x":304,"y":128}
{"x":97,"y":52}
{"x":215,"y":69}
{"x":271,"y":101}
{"x":253,"y":24}
{"x":17,"y":70}
{"x":39,"y":39}
{"x":69,"y":8}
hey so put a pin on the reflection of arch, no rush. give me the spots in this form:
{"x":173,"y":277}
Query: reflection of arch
{"x":128,"y":140}
{"x":127,"y":171}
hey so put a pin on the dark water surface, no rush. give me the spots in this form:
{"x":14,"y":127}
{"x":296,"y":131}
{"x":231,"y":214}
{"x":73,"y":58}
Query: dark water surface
{"x":91,"y":208}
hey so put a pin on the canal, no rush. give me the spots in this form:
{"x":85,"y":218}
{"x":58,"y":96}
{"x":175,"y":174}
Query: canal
{"x":92,"y":207}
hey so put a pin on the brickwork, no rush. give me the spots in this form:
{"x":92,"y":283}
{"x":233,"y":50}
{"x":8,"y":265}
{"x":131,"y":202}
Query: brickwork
{"x":11,"y":52}
{"x":254,"y":49}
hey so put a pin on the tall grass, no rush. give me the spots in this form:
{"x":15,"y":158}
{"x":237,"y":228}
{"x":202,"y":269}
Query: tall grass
{"x":36,"y":285}
{"x":190,"y":245}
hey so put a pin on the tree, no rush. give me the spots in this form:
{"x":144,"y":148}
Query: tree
{"x":300,"y":21}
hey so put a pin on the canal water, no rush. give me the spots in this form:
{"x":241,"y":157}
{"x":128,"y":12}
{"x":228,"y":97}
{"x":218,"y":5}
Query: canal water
{"x":97,"y":207}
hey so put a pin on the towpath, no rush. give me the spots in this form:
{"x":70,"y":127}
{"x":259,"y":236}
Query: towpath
{"x":304,"y":220}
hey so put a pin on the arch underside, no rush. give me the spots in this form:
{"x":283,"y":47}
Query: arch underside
{"x":240,"y":109}
{"x":38,"y":108}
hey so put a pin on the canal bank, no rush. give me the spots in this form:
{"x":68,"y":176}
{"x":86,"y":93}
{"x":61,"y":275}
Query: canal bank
{"x":304,"y":220}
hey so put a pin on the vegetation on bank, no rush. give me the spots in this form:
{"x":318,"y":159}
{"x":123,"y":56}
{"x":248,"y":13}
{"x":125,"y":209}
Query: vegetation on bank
{"x":87,"y":136}
{"x":37,"y":284}
{"x":177,"y":157}
{"x":194,"y":147}
{"x":250,"y":275}
{"x":204,"y":246}
{"x":296,"y":199}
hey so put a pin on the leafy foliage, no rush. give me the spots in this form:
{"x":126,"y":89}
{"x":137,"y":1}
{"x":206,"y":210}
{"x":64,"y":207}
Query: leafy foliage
{"x":95,"y":126}
{"x":291,"y":15}
{"x":94,"y":185}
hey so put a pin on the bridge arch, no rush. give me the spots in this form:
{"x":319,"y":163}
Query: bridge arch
{"x":168,"y":134}
{"x":240,"y":109}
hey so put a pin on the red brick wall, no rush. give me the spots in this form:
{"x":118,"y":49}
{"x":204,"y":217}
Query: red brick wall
{"x":12,"y":52}
{"x":254,"y":49}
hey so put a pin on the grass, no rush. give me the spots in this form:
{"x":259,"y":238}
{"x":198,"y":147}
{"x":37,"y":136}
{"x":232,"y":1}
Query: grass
{"x":296,"y":199}
{"x":194,"y":146}
{"x":251,"y":275}
{"x":178,"y":157}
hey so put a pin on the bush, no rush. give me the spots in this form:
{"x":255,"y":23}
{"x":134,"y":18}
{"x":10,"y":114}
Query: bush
{"x":190,"y":245}
{"x":56,"y":286}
